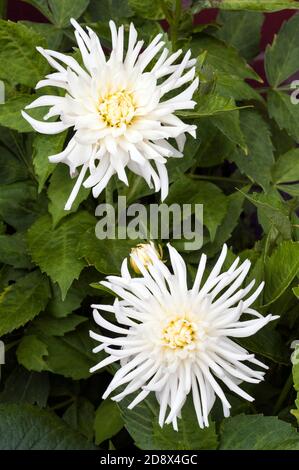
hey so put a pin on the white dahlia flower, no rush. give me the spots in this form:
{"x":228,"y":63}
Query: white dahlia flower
{"x":173,"y":340}
{"x":118,"y":108}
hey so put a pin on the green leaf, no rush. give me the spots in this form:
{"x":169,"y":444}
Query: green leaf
{"x":280,"y":270}
{"x":61,"y":308}
{"x":108,"y":421}
{"x":272,"y":212}
{"x":295,"y":361}
{"x":63,"y":10}
{"x":223,"y":58}
{"x":257,"y":164}
{"x":282,"y":56}
{"x":149,"y":9}
{"x":59,"y":12}
{"x":22,"y":301}
{"x":61,"y":185}
{"x":13,"y":250}
{"x":107,"y":9}
{"x":105,"y":255}
{"x":241,"y":30}
{"x":267,"y":343}
{"x":80,"y":417}
{"x":10,"y":113}
{"x":285,"y":113}
{"x":55,"y":251}
{"x":23,"y":386}
{"x":12,"y":169}
{"x":286,"y":168}
{"x":257,"y":432}
{"x":229,"y":125}
{"x":27,"y":427}
{"x":43,"y":147}
{"x":142,"y":424}
{"x":234,"y":208}
{"x":185,"y":190}
{"x":57,"y":326}
{"x":251,"y":5}
{"x":70,"y":355}
{"x":19,"y":204}
{"x":209,"y":105}
{"x":214,"y":146}
{"x":20,"y":61}
{"x":31,"y":353}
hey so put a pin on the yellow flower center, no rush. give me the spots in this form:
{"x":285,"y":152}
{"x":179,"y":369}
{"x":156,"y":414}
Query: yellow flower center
{"x":117,"y":108}
{"x":179,"y":333}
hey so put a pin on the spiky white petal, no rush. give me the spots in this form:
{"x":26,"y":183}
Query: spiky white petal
{"x":176,"y":341}
{"x":118,"y":108}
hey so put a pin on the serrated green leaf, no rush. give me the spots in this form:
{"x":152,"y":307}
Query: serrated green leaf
{"x":70,"y":355}
{"x":57,"y":326}
{"x":142,"y":424}
{"x":282,"y":56}
{"x":285,"y":113}
{"x":280,"y":270}
{"x":286,"y":168}
{"x":12,"y":169}
{"x":149,"y":9}
{"x":80,"y":417}
{"x":272,"y":212}
{"x":43,"y":147}
{"x":61,"y":185}
{"x":27,"y":427}
{"x":19,"y":204}
{"x":223,"y":58}
{"x":257,"y":164}
{"x":10,"y":113}
{"x":267,"y":343}
{"x":108,"y":421}
{"x":13,"y":250}
{"x":23,"y":386}
{"x":241,"y":30}
{"x":105,"y":255}
{"x":22,"y":301}
{"x":185,"y":190}
{"x":257,"y":432}
{"x":19,"y":42}
{"x":251,"y":5}
{"x":107,"y":9}
{"x":55,"y":251}
{"x":59,"y":12}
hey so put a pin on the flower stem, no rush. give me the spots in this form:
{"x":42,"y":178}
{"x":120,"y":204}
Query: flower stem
{"x":283,"y":395}
{"x":174,"y":27}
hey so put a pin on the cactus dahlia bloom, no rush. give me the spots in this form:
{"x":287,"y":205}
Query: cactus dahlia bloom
{"x":119,"y":108}
{"x":177,"y":341}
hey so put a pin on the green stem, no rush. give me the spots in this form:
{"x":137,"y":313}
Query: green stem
{"x":281,"y":88}
{"x":174,"y":27}
{"x":218,"y":178}
{"x":283,"y":395}
{"x":64,"y":403}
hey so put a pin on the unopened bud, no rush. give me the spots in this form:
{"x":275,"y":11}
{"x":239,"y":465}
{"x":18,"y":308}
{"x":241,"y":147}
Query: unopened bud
{"x":143,"y":252}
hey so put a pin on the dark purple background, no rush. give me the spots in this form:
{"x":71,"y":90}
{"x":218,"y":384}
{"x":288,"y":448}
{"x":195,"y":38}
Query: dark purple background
{"x":18,"y":10}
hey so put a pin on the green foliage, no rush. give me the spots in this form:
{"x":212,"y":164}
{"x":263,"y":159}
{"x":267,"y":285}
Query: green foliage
{"x":142,"y":424}
{"x":243,"y":166}
{"x":258,"y":432}
{"x":26,"y":427}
